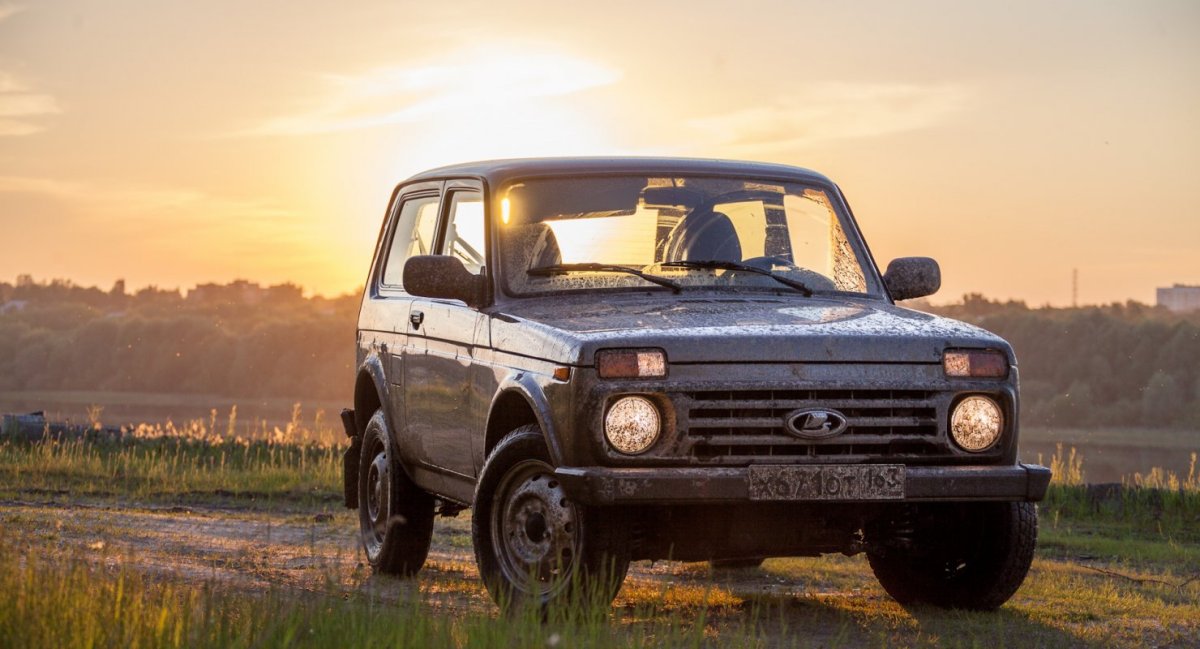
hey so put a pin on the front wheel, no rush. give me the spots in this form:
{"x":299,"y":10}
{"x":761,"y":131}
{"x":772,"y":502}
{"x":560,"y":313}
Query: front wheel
{"x":395,"y":516}
{"x":533,"y":545}
{"x":969,"y":556}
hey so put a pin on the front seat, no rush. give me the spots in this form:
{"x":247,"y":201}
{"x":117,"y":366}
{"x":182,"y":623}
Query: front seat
{"x":707,"y":236}
{"x":532,"y":246}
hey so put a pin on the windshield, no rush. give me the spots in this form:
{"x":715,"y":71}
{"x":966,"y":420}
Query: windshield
{"x":567,"y":234}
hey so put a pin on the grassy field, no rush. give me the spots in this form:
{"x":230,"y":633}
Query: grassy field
{"x":1115,"y":453}
{"x":132,"y":407}
{"x":193,"y":463}
{"x":181,"y":536}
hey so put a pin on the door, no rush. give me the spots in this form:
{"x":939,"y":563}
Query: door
{"x":413,"y":232}
{"x":441,"y":403}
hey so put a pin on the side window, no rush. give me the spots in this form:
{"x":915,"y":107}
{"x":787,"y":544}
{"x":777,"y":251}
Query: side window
{"x":464,"y":230}
{"x":413,"y":235}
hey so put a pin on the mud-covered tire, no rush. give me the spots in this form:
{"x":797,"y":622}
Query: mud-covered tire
{"x":983,"y":553}
{"x":395,"y":516}
{"x":535,"y":547}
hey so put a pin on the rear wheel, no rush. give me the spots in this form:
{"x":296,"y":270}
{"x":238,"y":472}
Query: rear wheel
{"x":395,"y":516}
{"x":534,"y":546}
{"x":964,"y":556}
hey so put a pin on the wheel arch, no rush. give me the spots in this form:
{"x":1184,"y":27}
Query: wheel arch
{"x":519,"y":400}
{"x":369,"y":396}
{"x":370,"y":393}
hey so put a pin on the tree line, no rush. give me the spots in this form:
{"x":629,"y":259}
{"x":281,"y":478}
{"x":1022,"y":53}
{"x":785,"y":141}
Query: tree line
{"x":1115,"y":365}
{"x":238,"y":340}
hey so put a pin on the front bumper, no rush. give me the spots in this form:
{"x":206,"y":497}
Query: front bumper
{"x":731,"y":485}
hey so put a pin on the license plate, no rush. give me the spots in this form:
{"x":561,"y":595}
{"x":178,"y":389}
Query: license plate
{"x":827,"y":482}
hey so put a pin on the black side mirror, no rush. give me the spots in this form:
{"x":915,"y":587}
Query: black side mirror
{"x":910,"y":277}
{"x":442,"y":276}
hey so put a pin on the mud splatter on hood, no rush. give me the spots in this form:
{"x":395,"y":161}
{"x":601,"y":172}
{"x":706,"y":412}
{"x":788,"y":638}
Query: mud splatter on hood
{"x":731,"y":329}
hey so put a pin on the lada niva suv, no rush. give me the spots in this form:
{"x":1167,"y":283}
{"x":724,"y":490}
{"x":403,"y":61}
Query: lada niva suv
{"x":618,"y":359}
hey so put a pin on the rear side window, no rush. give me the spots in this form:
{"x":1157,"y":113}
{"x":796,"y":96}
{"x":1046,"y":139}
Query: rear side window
{"x":415,"y":229}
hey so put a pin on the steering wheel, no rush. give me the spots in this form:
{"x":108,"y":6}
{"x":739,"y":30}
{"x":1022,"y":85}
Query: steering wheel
{"x":768,"y":262}
{"x":811,"y":278}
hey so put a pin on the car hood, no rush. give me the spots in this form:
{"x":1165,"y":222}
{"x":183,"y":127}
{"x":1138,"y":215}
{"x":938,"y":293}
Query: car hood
{"x":698,"y":329}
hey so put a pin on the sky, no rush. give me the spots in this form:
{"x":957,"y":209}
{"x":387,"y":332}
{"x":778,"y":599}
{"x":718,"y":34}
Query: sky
{"x":176,"y":143}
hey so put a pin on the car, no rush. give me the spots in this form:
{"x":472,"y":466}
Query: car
{"x":618,"y":359}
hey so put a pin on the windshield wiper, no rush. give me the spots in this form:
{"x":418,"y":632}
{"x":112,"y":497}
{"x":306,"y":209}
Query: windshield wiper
{"x":716,"y":264}
{"x":561,"y":269}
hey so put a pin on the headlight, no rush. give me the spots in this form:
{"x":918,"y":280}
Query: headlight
{"x":632,"y":425}
{"x":976,"y":423}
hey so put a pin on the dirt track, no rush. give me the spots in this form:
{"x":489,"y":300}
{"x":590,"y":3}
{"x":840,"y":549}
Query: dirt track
{"x":834,"y":600}
{"x":260,"y":550}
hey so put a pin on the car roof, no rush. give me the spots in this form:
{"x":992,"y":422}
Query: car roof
{"x":497,"y":172}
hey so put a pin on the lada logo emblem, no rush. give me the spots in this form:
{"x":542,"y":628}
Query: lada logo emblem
{"x":815,"y":423}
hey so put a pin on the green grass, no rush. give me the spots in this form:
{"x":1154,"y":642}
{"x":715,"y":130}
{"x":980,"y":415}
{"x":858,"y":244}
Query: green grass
{"x":118,"y":408}
{"x":1110,"y":544}
{"x":167,"y":469}
{"x":1157,"y":505}
{"x":46,"y":602}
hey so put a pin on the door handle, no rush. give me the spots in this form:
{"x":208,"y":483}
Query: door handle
{"x":416,"y":318}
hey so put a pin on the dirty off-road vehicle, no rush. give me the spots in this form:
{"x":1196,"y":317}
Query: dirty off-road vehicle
{"x":620,"y":359}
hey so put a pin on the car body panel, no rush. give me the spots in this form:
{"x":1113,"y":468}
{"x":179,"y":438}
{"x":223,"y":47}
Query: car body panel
{"x":711,"y":327}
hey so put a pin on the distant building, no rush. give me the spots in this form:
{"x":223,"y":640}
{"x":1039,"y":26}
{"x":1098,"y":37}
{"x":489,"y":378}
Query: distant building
{"x":243,"y":292}
{"x":1180,"y":297}
{"x":236,"y":292}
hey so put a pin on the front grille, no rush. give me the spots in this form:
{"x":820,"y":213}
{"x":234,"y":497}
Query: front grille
{"x":750,"y":424}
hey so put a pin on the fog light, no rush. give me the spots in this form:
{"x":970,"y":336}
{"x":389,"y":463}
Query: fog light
{"x":976,"y":423}
{"x":632,"y":425}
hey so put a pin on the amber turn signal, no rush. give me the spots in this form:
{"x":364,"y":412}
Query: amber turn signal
{"x":978,"y":363}
{"x":631,"y":363}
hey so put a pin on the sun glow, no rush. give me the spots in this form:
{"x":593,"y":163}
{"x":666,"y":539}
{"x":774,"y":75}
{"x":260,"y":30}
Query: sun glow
{"x":273,"y":158}
{"x":488,"y":102}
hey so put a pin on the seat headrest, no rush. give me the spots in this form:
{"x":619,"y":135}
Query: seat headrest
{"x":709,"y":236}
{"x":531,"y":246}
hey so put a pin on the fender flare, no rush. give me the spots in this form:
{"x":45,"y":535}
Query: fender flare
{"x":524,"y":384}
{"x":369,"y":372}
{"x":371,"y":369}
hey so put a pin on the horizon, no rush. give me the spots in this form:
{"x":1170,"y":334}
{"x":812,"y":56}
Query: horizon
{"x":307,"y":293}
{"x":169,"y":145}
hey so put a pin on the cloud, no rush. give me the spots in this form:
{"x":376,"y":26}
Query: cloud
{"x":466,"y":82}
{"x":833,"y":111}
{"x":18,"y":104}
{"x":8,"y":10}
{"x":134,"y":202}
{"x":161,"y":232}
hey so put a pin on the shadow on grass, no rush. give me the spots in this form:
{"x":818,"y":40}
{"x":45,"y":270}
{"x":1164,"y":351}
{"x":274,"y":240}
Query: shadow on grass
{"x":875,"y":620}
